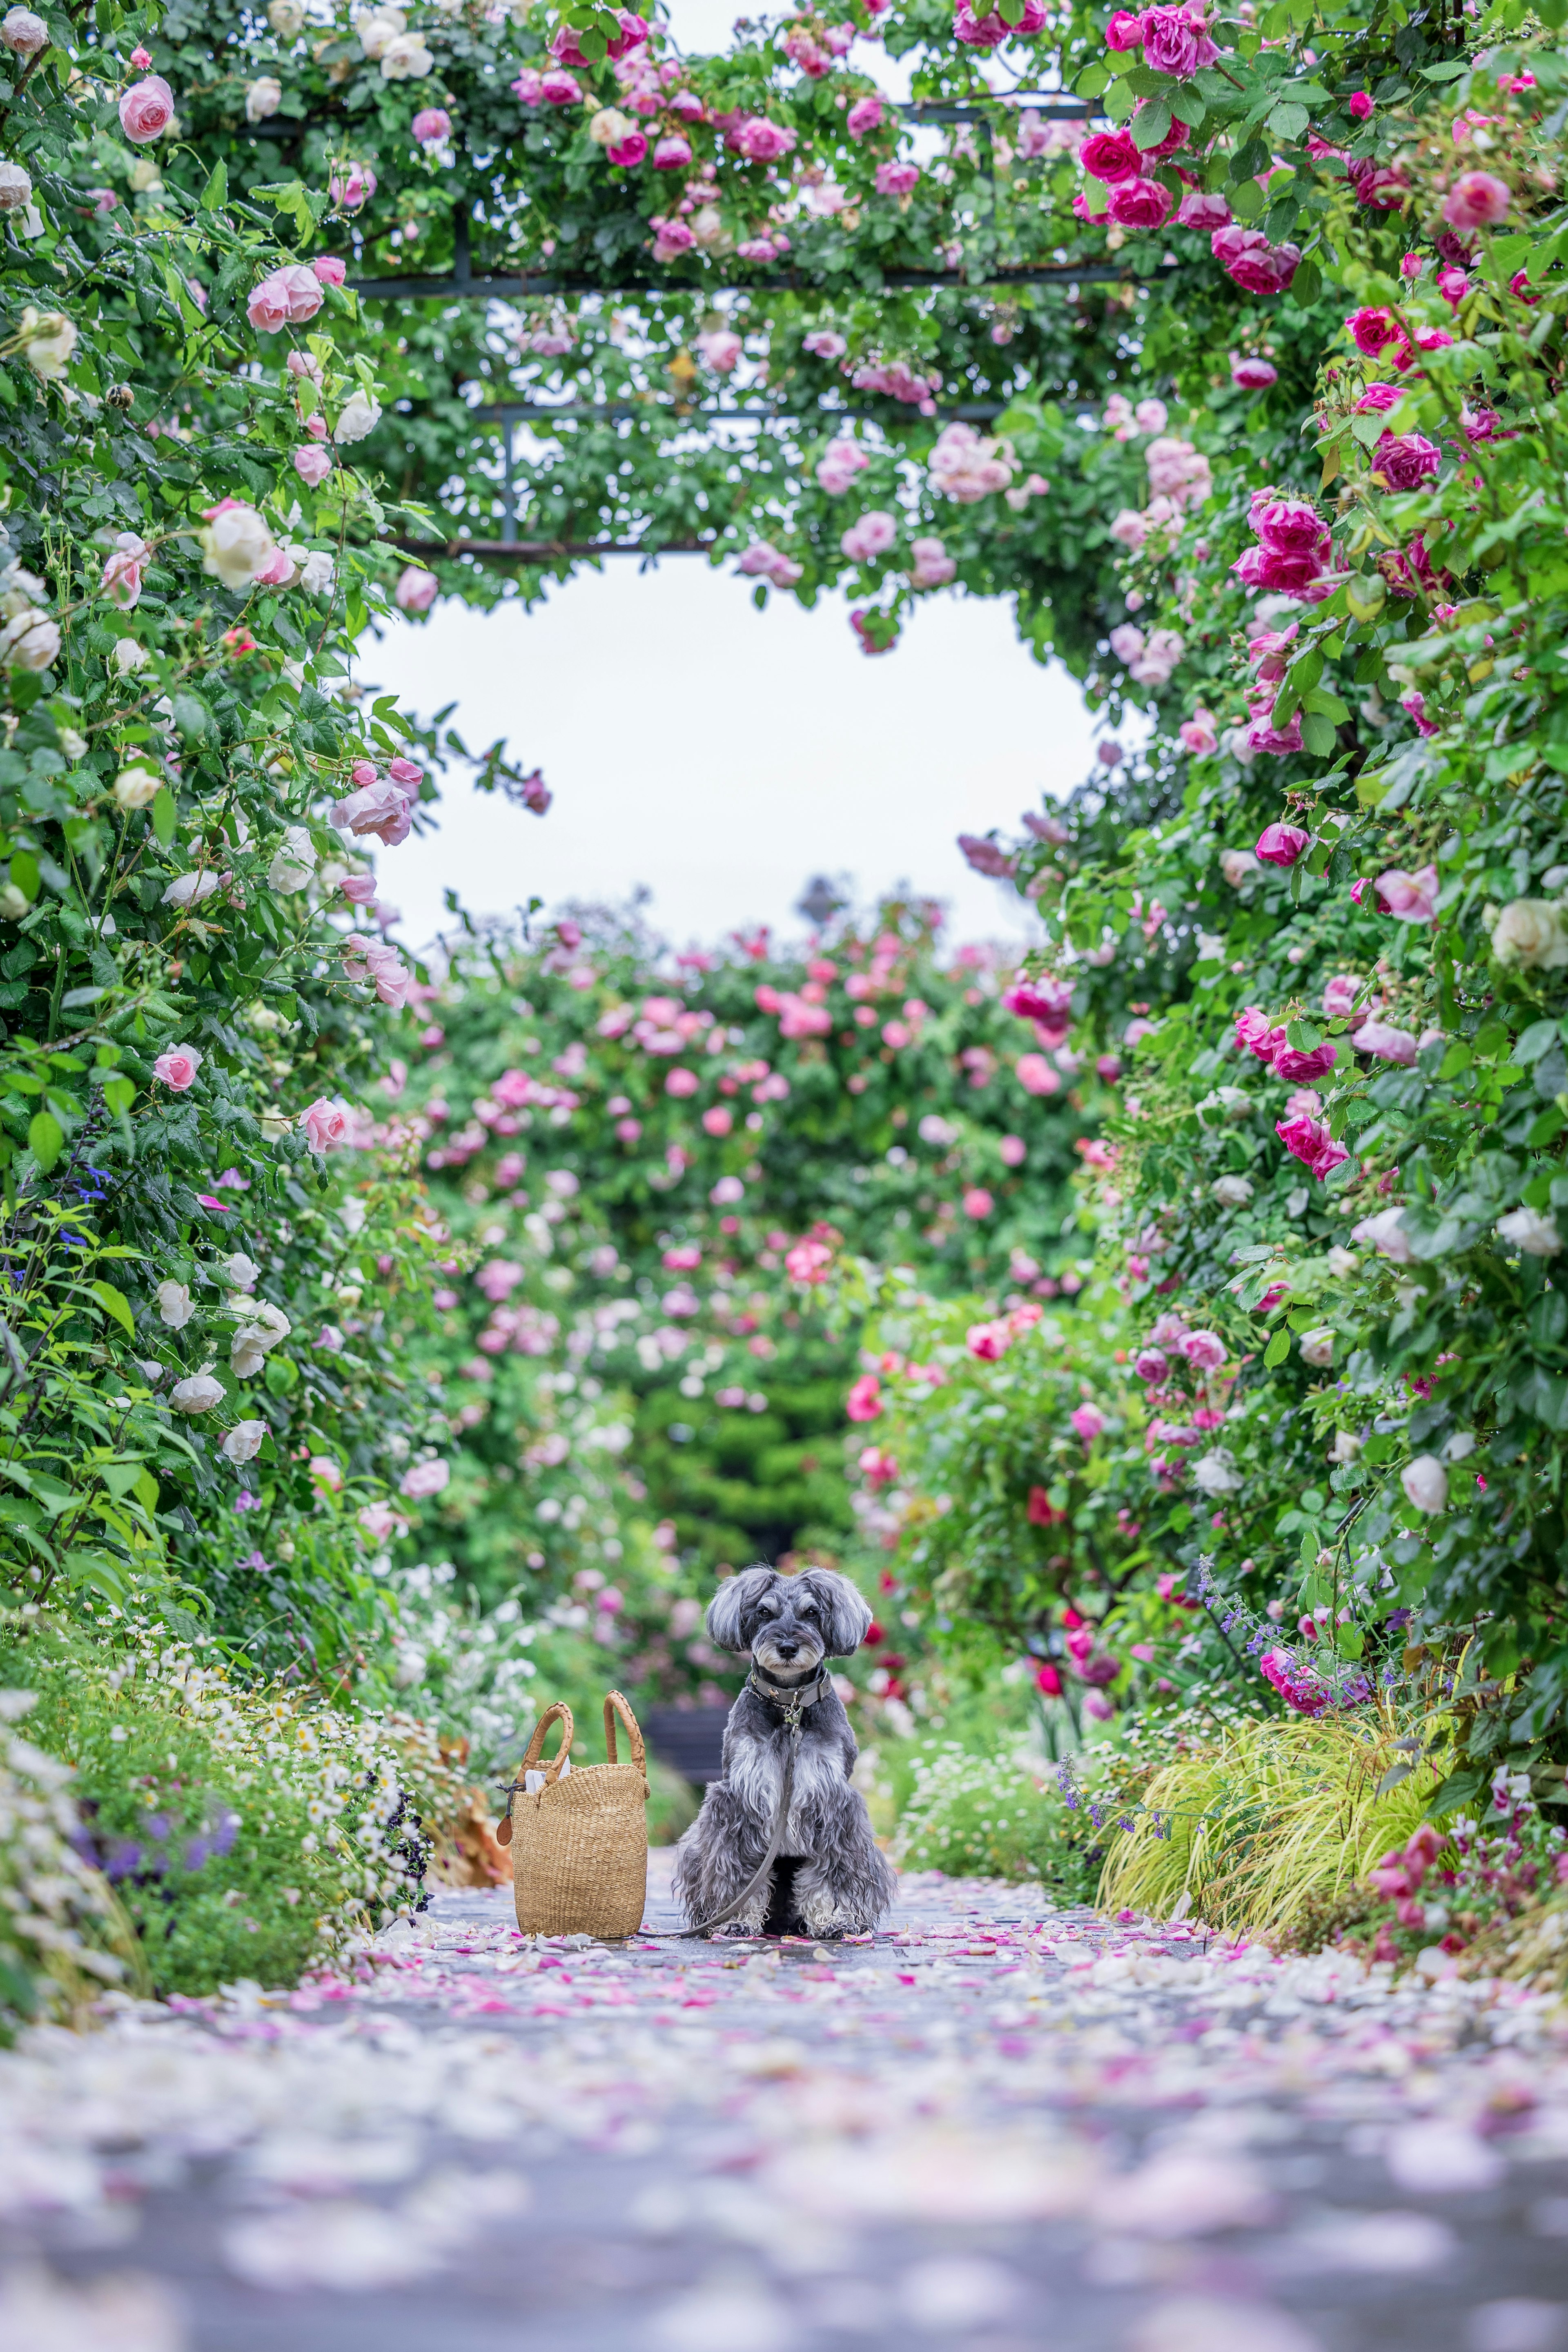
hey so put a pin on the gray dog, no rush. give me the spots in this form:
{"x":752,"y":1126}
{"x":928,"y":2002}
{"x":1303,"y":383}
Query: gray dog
{"x":842,"y":1883}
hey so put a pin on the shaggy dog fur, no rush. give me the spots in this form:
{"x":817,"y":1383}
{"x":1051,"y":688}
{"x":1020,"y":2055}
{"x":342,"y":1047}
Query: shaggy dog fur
{"x":842,"y":1885}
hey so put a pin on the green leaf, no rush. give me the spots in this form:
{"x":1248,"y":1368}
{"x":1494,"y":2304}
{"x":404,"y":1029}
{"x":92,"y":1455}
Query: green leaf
{"x":1307,"y":284}
{"x":46,"y":1139}
{"x":1289,"y":120}
{"x":1458,"y":1790}
{"x":214,"y":195}
{"x":192,"y":720}
{"x":24,"y":873}
{"x":114,"y":1302}
{"x":119,"y":1094}
{"x":1277,"y":1350}
{"x":1152,"y":124}
{"x":1187,"y":106}
{"x":1317,"y":734}
{"x":1536,"y":1040}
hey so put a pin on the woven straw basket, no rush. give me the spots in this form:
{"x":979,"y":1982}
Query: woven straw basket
{"x":579,"y":1844}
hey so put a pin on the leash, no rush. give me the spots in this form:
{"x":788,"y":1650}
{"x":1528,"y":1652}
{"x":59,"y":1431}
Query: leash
{"x":791,"y":1705}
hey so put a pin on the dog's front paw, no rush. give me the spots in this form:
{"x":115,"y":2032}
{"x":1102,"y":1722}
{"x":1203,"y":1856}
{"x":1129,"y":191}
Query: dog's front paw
{"x":824,"y":1918}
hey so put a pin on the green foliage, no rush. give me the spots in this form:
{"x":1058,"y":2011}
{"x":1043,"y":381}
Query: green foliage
{"x":976,"y":1816}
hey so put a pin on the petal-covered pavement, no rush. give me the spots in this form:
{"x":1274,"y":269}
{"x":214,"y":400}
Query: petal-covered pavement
{"x":993,"y":2125}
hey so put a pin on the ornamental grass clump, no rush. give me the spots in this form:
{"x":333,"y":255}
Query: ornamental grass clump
{"x":1273,"y":1817}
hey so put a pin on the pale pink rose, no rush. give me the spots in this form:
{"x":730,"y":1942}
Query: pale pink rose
{"x":288,"y":297}
{"x":121,"y":580}
{"x":977,"y":1201}
{"x":932,"y":566}
{"x":416,"y":589}
{"x":1409,"y":898}
{"x":871,"y":536}
{"x":359,"y":890}
{"x":147,"y":110}
{"x":424,"y":1478}
{"x":431,"y":125}
{"x":1475,"y":200}
{"x":328,"y":270}
{"x":177,"y":1067}
{"x":326,"y":1123}
{"x":1036,"y":1075}
{"x":312,"y":464}
{"x":1387,"y":1043}
{"x":380,"y":809}
{"x":1197,"y":733}
{"x":1089,"y":1421}
{"x":718,"y":1121}
{"x":1203,"y":1350}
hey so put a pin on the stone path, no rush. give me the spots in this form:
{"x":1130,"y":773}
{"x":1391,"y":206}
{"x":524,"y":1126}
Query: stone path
{"x":993,"y":2127}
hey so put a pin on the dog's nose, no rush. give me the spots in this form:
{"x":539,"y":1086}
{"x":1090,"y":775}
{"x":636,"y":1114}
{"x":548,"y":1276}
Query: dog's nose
{"x":786,"y":1649}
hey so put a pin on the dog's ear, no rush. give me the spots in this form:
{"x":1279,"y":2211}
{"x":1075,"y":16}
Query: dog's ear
{"x":729,"y":1610}
{"x":845,"y":1613}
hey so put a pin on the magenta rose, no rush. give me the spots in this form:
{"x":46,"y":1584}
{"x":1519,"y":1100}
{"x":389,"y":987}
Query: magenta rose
{"x":1139,"y":203}
{"x":1125,"y":31}
{"x":147,"y":110}
{"x":1110,"y":155}
{"x":1310,"y":1143}
{"x":1377,"y":399}
{"x":1176,"y":42}
{"x":1253,"y":375}
{"x":1250,"y":262}
{"x":1288,"y":526}
{"x":1475,"y":200}
{"x":629,"y":152}
{"x":1405,"y":460}
{"x":1300,"y":1068}
{"x":431,"y":125}
{"x":989,"y":32}
{"x":1372,"y":330}
{"x":1281,"y":844}
{"x":1254,"y":1034}
{"x":864,"y":117}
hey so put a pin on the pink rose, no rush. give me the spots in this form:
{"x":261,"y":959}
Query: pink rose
{"x":1388,"y":1044}
{"x":328,"y":270}
{"x":1036,"y":1076}
{"x":407,"y":773}
{"x":864,"y":1402}
{"x":1125,"y":31}
{"x":1203,"y":208}
{"x":761,"y":141}
{"x":424,"y":1478}
{"x":431,"y":125}
{"x":1089,"y":1421}
{"x":1151,"y":1364}
{"x":1139,"y":204}
{"x":1405,"y":460}
{"x":1289,"y":526}
{"x":977,"y":1202}
{"x":288,"y":297}
{"x":312,"y":464}
{"x":1340,"y":994}
{"x":359,"y":890}
{"x":1362,"y":106}
{"x":989,"y":32}
{"x":1254,"y":1034}
{"x":1281,"y":844}
{"x":1253,"y":375}
{"x":673,"y":152}
{"x":326,"y":1123}
{"x":557,"y":87}
{"x":416,"y":589}
{"x":147,"y":110}
{"x":1262,"y":735}
{"x":629,"y":152}
{"x":177,"y":1067}
{"x":897,"y":179}
{"x":1475,"y":200}
{"x":1199,"y":735}
{"x":1408,"y":897}
{"x":1205,"y":1350}
{"x":864,"y":117}
{"x":380,"y":809}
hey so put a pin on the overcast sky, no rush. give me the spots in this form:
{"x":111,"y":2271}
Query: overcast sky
{"x":722,"y":757}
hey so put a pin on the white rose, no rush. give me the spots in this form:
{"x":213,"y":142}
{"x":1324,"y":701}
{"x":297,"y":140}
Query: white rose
{"x":190,"y":889}
{"x":1231,"y":1192}
{"x":23,"y":33}
{"x":293,"y":862}
{"x":48,"y":348}
{"x":1529,"y":934}
{"x":33,"y":221}
{"x":129,"y":655}
{"x":406,"y":59}
{"x":198,"y":1394}
{"x":263,"y":1326}
{"x":707,"y":226}
{"x":31,"y":641}
{"x":239,"y":1271}
{"x":236,"y":546}
{"x":1461,"y":1444}
{"x":13,"y":903}
{"x":16,"y":188}
{"x":1238,"y":866}
{"x":316,"y":573}
{"x":146,"y":180}
{"x":379,"y":30}
{"x":243,"y":1442}
{"x":359,"y":414}
{"x":263,"y":98}
{"x":134,"y":787}
{"x":1318,"y":1346}
{"x":286,"y":18}
{"x":1346,"y":1446}
{"x":609,"y":125}
{"x":1426,"y":1484}
{"x":1215,"y":1473}
{"x":274,"y":1126}
{"x":1529,"y":1230}
{"x":174,"y":1304}
{"x":1387,"y":1235}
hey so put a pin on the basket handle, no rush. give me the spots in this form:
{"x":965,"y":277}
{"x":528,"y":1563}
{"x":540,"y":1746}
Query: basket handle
{"x":557,"y":1712}
{"x":616,"y":1705}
